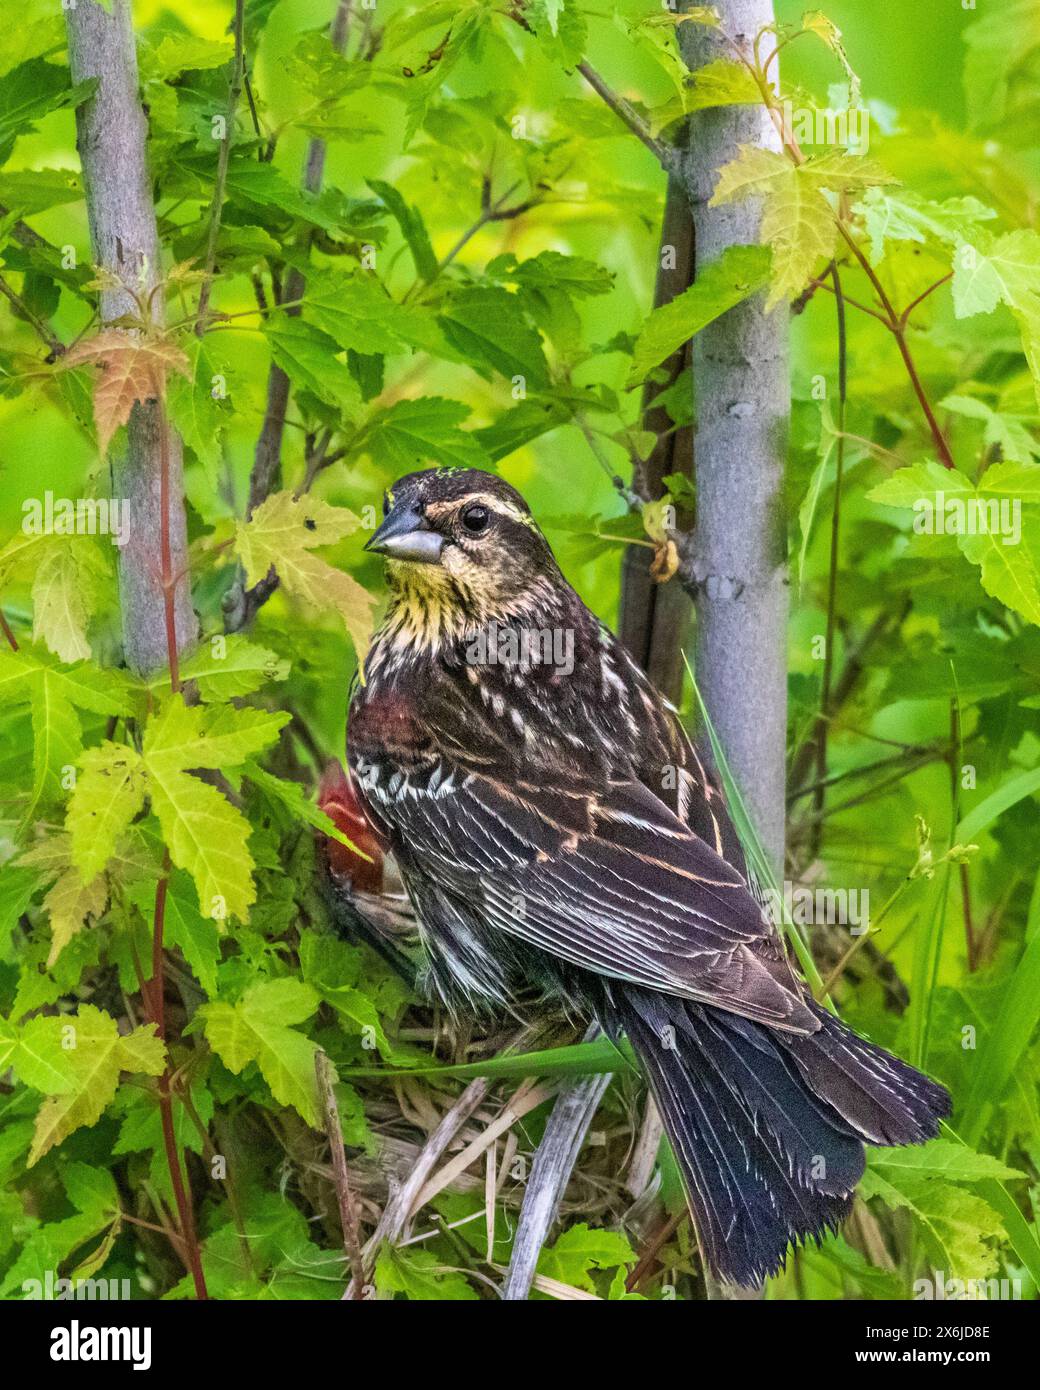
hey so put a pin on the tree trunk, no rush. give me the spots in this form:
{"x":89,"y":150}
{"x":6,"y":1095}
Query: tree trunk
{"x":655,"y":618}
{"x":111,"y":135}
{"x":736,"y":563}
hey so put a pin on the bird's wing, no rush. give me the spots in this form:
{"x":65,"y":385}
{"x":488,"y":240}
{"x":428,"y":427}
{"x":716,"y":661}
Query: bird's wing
{"x":606,"y":878}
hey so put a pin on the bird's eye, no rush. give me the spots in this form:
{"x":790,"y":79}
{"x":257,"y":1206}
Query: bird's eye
{"x":386,"y":504}
{"x":475,"y":519}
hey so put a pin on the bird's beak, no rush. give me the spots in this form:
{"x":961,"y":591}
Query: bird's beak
{"x":405,"y":535}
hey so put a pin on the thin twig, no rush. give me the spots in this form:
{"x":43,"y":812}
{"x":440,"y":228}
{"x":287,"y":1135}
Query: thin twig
{"x":913,"y":765}
{"x":666,"y":155}
{"x":896,"y":323}
{"x":398,"y":1208}
{"x":648,"y":1256}
{"x":833,"y":780}
{"x":819,"y":795}
{"x":971,"y":945}
{"x":53,"y":342}
{"x":897,"y":326}
{"x":267,"y":457}
{"x":169,"y":579}
{"x":489,"y":212}
{"x":905,"y":315}
{"x":5,"y":627}
{"x":647,"y":1146}
{"x":528,"y":1097}
{"x":845,"y":684}
{"x":238,"y":71}
{"x":181,"y":1195}
{"x":821,"y":283}
{"x":348,"y":1213}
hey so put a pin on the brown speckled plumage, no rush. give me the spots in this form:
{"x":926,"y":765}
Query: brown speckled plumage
{"x":554,"y":825}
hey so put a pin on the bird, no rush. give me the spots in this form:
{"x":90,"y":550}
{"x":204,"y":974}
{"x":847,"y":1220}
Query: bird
{"x":558,"y":832}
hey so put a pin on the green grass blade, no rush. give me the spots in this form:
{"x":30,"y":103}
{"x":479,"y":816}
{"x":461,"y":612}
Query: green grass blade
{"x":580,"y":1059}
{"x":1008,"y":794}
{"x":931,"y":927}
{"x":756,"y":856}
{"x":1006,"y":1042}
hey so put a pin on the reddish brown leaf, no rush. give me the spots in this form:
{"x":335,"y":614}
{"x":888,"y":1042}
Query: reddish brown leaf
{"x":132,"y":369}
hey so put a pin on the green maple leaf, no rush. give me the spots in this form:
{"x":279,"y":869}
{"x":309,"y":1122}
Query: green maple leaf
{"x":66,"y":572}
{"x":941,"y":1158}
{"x":409,"y":433}
{"x":1009,"y":573}
{"x":64,"y":596}
{"x":959,"y":1228}
{"x":798,"y":223}
{"x":141,"y":1128}
{"x":308,"y":358}
{"x":579,"y":1251}
{"x":486,"y":324}
{"x":109,"y":792}
{"x":263,"y":186}
{"x":200,"y":416}
{"x":205,"y":833}
{"x":72,"y":897}
{"x":258,"y":1029}
{"x":76,"y":1060}
{"x":22,"y":553}
{"x":92,"y":1191}
{"x":179,"y":53}
{"x":907,"y":216}
{"x":738,"y":272}
{"x":354,"y":311}
{"x":421,"y":1277}
{"x":54,"y":694}
{"x":1003,"y":430}
{"x":722,"y":82}
{"x":188,"y":736}
{"x":1002,"y":270}
{"x":294,"y":798}
{"x":226,"y":667}
{"x":282,"y":533}
{"x":413,"y":228}
{"x":185,"y":926}
{"x":31,"y":91}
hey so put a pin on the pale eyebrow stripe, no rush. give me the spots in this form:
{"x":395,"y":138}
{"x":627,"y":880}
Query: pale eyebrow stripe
{"x":494,"y":504}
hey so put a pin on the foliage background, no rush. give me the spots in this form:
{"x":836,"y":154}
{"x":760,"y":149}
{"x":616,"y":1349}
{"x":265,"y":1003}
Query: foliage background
{"x":952,"y":683}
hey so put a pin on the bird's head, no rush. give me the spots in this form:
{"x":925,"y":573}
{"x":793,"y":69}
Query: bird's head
{"x":461,"y":547}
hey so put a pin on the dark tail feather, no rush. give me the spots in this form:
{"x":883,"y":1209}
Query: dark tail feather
{"x":886,"y":1101}
{"x":768,"y":1128}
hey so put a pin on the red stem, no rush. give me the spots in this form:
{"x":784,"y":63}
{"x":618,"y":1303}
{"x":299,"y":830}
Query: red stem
{"x":5,"y":625}
{"x":169,"y":579}
{"x":897,"y":324}
{"x":970,"y":942}
{"x":945,"y":457}
{"x":823,"y":728}
{"x":178,"y":1179}
{"x":905,"y":315}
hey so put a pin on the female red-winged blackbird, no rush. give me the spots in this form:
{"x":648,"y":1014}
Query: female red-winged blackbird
{"x":555,"y":826}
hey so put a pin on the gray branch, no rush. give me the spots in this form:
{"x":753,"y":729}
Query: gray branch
{"x":550,"y":1173}
{"x":111,"y":135}
{"x":736,"y":563}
